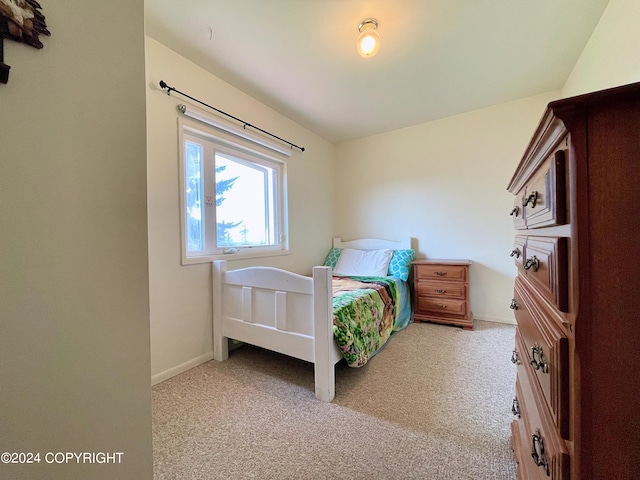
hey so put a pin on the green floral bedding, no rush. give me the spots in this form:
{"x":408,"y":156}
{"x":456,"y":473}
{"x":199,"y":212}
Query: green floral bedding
{"x":367,"y":311}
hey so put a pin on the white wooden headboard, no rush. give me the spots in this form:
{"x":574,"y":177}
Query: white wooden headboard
{"x":373,"y":244}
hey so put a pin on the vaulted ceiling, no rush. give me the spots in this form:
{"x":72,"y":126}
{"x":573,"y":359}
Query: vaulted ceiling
{"x":437,"y":57}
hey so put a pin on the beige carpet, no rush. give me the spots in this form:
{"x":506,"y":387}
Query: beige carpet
{"x":435,"y":403}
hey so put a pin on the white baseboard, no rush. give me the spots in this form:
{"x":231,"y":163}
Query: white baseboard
{"x":486,"y":318}
{"x":194,"y":362}
{"x":183,"y":367}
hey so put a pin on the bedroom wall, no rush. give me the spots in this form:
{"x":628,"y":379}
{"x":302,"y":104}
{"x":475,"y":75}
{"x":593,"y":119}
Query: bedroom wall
{"x":443,"y":183}
{"x":611,"y":57}
{"x":74,"y":305}
{"x":180,"y":298}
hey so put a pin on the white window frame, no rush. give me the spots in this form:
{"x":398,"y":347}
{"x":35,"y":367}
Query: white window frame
{"x":226,"y":143}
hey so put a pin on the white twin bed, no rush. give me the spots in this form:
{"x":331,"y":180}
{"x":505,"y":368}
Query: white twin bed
{"x":288,"y":313}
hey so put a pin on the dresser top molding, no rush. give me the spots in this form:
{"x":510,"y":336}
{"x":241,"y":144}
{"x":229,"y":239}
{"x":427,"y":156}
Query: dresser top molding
{"x":554,"y":125}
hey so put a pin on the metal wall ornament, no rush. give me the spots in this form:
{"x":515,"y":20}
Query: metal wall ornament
{"x":22,"y":21}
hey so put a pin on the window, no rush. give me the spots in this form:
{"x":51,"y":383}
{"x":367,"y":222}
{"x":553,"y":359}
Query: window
{"x":233,"y":199}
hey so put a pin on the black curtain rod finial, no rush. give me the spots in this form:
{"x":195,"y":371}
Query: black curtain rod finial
{"x":164,"y":85}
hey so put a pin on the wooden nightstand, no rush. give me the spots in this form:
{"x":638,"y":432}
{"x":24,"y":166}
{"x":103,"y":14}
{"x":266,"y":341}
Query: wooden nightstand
{"x":441,"y":292}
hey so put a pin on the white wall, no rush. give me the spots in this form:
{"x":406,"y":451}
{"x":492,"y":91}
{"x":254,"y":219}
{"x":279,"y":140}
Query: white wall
{"x":444,"y":183}
{"x":612,"y":56}
{"x":180,"y":295}
{"x":74,"y":309}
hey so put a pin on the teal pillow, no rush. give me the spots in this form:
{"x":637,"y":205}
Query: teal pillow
{"x":332,"y":258}
{"x":400,"y":264}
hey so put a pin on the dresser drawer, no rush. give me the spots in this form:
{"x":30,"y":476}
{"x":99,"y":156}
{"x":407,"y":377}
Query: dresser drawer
{"x":545,"y":263}
{"x":543,"y":350}
{"x":521,"y":442}
{"x":441,"y":289}
{"x":517,"y":253}
{"x":544,"y":200}
{"x":518,"y":435}
{"x":540,"y":452}
{"x":517,"y":212}
{"x":457,"y":273}
{"x":441,"y":306}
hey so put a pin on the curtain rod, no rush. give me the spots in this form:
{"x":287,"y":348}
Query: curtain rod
{"x":169,"y":89}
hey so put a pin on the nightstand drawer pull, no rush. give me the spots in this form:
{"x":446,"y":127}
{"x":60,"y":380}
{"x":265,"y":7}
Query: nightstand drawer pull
{"x":439,"y":305}
{"x":537,"y":445}
{"x":516,"y":252}
{"x":515,"y":358}
{"x":440,"y":274}
{"x":540,"y":362}
{"x":530,"y":199}
{"x":532,"y":263}
{"x":439,"y":290}
{"x":514,"y":304}
{"x":515,"y":407}
{"x":515,"y":211}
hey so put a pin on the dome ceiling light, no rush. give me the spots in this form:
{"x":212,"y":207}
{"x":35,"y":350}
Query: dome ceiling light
{"x":368,"y":40}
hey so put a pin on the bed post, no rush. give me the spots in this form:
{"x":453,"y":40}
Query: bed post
{"x":324,"y":366}
{"x":220,"y":343}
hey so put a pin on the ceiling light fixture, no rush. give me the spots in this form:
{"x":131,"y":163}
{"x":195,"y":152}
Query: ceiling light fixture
{"x":368,"y":40}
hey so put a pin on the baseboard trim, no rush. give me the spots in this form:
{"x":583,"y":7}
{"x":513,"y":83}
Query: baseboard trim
{"x":486,"y":318}
{"x":194,"y":362}
{"x":183,"y":367}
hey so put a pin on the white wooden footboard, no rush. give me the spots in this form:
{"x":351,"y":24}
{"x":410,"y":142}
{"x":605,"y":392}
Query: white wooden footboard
{"x":280,"y":311}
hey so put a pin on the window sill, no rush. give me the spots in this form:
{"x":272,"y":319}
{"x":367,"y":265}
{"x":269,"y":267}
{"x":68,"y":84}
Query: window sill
{"x":232,"y":256}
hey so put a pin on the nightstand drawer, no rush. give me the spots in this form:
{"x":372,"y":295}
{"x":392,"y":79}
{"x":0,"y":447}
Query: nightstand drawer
{"x":441,"y":305}
{"x":441,"y":289}
{"x":456,"y":273}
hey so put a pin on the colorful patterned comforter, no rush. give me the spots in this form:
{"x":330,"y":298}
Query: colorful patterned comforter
{"x":367,"y":311}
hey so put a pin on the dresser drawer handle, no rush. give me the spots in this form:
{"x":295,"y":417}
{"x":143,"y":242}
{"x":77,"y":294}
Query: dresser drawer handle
{"x":515,"y":211}
{"x":515,"y":407}
{"x":537,"y":445}
{"x":440,"y":274}
{"x":439,"y":305}
{"x":539,"y":362}
{"x":516,"y":252}
{"x":514,"y":304}
{"x":530,"y":199}
{"x":439,"y":290}
{"x":515,"y":358}
{"x":532,"y":263}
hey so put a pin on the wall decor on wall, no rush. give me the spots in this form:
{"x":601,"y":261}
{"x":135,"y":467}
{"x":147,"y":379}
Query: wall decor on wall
{"x":22,"y":21}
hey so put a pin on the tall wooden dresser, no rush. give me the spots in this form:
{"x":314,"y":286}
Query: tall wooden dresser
{"x":577,"y":291}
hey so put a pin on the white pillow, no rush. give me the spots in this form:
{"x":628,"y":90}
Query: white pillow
{"x":365,"y":263}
